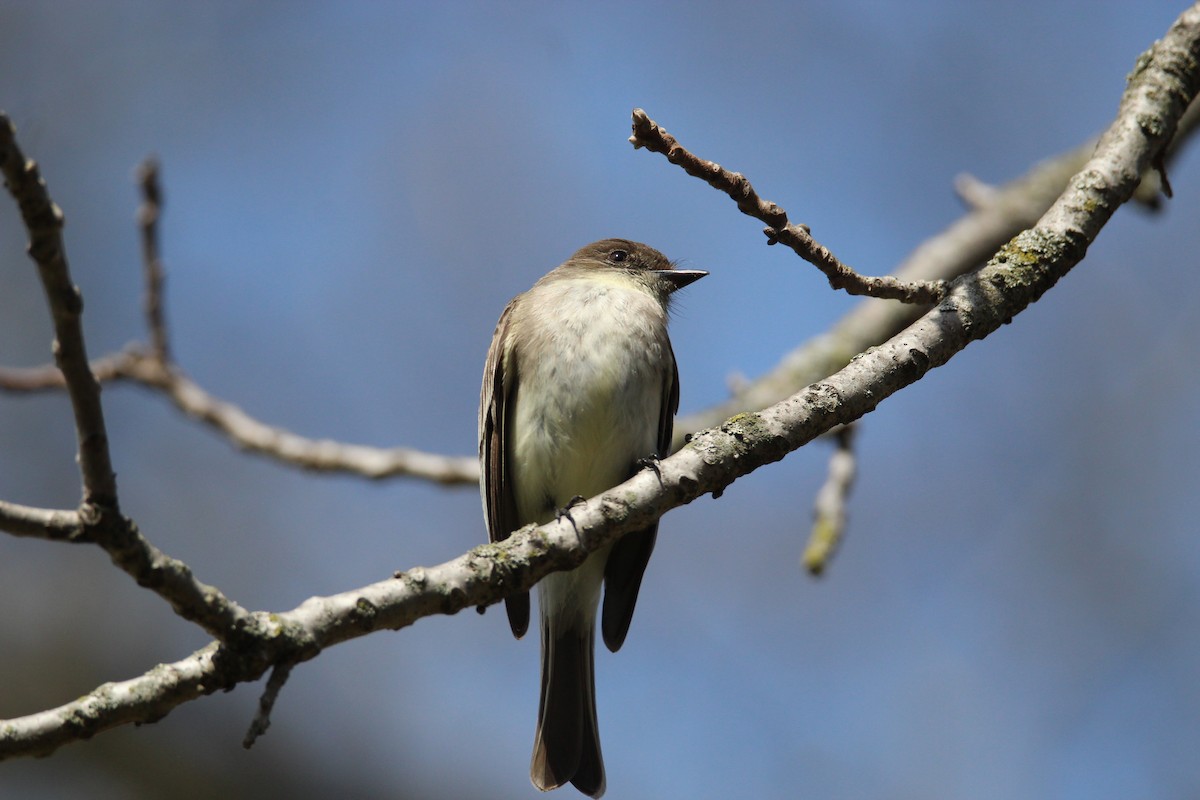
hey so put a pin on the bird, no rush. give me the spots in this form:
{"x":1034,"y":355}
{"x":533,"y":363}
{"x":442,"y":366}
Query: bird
{"x":580,"y":388}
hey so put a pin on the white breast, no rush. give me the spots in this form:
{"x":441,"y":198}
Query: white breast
{"x":589,"y":406}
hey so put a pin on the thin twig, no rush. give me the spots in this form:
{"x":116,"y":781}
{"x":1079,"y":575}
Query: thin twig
{"x":40,"y":523}
{"x":648,"y":134}
{"x":44,"y":220}
{"x":137,"y":365}
{"x":48,"y":378}
{"x":147,"y":216}
{"x":266,"y":703}
{"x":974,"y":192}
{"x":829,"y":508}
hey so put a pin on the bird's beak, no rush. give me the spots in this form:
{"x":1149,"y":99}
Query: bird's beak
{"x":679,"y":278}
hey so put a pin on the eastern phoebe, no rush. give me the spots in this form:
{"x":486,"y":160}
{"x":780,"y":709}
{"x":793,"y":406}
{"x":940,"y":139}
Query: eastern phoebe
{"x":580,"y":385}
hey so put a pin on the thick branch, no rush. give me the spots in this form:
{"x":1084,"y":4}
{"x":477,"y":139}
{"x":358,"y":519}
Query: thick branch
{"x":168,"y":577}
{"x":1165,"y":80}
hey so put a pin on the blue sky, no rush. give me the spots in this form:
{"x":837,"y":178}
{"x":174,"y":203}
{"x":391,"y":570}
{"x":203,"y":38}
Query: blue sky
{"x":354,"y":193}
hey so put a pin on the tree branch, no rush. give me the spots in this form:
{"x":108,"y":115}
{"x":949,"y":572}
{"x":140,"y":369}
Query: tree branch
{"x":44,"y":220}
{"x":647,"y":134}
{"x":266,"y":703}
{"x":154,"y":274}
{"x":137,"y":365}
{"x":962,"y":247}
{"x":40,"y":523}
{"x":829,"y":508}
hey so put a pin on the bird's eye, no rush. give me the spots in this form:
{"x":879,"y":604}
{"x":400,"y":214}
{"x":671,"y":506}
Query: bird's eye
{"x":618,"y":255}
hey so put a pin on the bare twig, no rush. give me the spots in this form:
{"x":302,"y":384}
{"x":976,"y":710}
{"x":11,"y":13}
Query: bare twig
{"x":972,"y":191}
{"x":47,"y":377}
{"x":266,"y":703}
{"x":40,"y":523}
{"x":44,"y":220}
{"x":647,"y":134}
{"x":829,"y":508}
{"x":137,"y":365}
{"x":147,"y":216}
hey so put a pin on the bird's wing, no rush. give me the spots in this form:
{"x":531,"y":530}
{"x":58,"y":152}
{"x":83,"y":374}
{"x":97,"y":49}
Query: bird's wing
{"x":499,"y":382}
{"x":627,"y":561}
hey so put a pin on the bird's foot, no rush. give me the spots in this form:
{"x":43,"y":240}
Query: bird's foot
{"x":565,"y":511}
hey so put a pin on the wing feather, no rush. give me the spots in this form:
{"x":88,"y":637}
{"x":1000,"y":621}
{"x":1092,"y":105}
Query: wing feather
{"x":627,"y":562}
{"x":499,"y":383}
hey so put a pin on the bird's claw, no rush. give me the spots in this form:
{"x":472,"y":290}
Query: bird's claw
{"x":565,"y":511}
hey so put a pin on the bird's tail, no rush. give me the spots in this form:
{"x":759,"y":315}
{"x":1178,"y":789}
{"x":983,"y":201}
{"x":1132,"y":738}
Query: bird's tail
{"x":566,"y":746}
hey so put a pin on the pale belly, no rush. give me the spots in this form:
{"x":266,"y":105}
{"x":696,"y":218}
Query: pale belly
{"x":592,"y":413}
{"x":584,"y":416}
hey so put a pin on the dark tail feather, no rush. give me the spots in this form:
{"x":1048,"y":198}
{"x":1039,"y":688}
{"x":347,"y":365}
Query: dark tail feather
{"x":566,"y":746}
